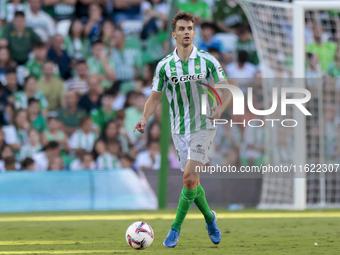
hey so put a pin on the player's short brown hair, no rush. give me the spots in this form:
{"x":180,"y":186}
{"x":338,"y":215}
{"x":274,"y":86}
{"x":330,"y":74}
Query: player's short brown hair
{"x":182,"y":16}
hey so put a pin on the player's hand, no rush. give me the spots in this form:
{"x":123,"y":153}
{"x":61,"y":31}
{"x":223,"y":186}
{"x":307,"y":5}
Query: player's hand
{"x":217,"y":111}
{"x":140,"y":126}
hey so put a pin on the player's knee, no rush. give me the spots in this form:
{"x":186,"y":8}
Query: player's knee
{"x":189,"y":182}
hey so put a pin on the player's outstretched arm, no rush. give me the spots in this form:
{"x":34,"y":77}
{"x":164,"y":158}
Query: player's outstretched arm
{"x":149,"y":108}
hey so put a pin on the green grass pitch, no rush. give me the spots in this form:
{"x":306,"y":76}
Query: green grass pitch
{"x":243,"y":232}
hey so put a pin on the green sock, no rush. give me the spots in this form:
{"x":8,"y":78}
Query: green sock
{"x":186,"y":199}
{"x":202,"y":205}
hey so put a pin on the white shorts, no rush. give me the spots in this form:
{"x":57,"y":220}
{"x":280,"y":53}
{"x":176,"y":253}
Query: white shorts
{"x":194,"y":146}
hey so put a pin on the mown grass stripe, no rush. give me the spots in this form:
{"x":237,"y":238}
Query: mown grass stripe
{"x":67,"y":252}
{"x":171,"y":216}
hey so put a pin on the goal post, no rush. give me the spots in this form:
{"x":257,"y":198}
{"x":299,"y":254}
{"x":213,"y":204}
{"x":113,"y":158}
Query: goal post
{"x":280,"y":27}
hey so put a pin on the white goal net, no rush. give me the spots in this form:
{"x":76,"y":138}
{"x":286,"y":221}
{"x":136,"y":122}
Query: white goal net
{"x":300,"y":40}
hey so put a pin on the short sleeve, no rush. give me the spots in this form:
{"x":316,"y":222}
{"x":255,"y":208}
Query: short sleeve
{"x":216,"y":69}
{"x":159,"y":79}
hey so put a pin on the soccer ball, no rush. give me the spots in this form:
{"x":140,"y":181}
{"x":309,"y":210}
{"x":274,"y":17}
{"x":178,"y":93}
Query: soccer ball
{"x":139,"y":235}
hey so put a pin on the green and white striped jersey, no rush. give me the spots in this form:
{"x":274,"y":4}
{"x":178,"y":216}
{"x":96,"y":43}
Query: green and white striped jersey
{"x":80,"y":140}
{"x":21,"y":100}
{"x":182,"y":82}
{"x":108,"y":162}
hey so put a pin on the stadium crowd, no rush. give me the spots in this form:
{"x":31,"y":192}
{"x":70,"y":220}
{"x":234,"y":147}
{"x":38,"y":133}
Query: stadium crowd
{"x":75,"y":75}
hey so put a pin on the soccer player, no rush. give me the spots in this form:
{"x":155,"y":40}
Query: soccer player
{"x":181,"y":75}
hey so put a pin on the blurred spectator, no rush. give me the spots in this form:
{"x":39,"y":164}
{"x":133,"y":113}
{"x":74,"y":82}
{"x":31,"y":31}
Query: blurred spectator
{"x":2,"y":139}
{"x":228,"y":15}
{"x":11,"y":84}
{"x":99,"y":64}
{"x":241,"y":71}
{"x":130,"y":99}
{"x":10,"y":164}
{"x":60,"y":9}
{"x":40,"y":21}
{"x":22,"y":125}
{"x":42,"y":159}
{"x":28,"y":164}
{"x":229,"y":138}
{"x":127,"y":61}
{"x":82,"y":7}
{"x":6,"y":152}
{"x":127,"y":10}
{"x":282,"y":152}
{"x":54,"y":133}
{"x":155,"y":13}
{"x":252,"y":147}
{"x":109,"y":160}
{"x":246,"y":43}
{"x":144,"y":86}
{"x":92,"y":99}
{"x":56,"y":164}
{"x":99,"y":148}
{"x":31,"y":147}
{"x":59,"y":56}
{"x":232,"y":158}
{"x":78,"y":83}
{"x":208,"y":40}
{"x":5,"y":108}
{"x":153,"y":133}
{"x":84,"y":161}
{"x":30,"y":91}
{"x":77,"y":45}
{"x":85,"y":137}
{"x":71,"y":115}
{"x":112,"y":131}
{"x":11,"y":138}
{"x":134,"y":112}
{"x":334,"y":67}
{"x":6,"y":63}
{"x":331,"y":133}
{"x":94,"y":22}
{"x":101,"y":116}
{"x":107,"y":31}
{"x":199,"y":8}
{"x":151,"y":158}
{"x":313,"y":74}
{"x":37,"y":121}
{"x":19,"y":38}
{"x":11,"y":7}
{"x":52,"y":87}
{"x":324,"y":50}
{"x":126,"y":161}
{"x":35,"y":64}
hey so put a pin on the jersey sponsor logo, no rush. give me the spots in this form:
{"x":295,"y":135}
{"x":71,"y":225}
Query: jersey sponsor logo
{"x":188,"y":77}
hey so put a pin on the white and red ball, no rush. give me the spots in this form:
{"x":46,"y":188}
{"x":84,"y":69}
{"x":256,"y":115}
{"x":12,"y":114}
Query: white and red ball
{"x":139,"y":235}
